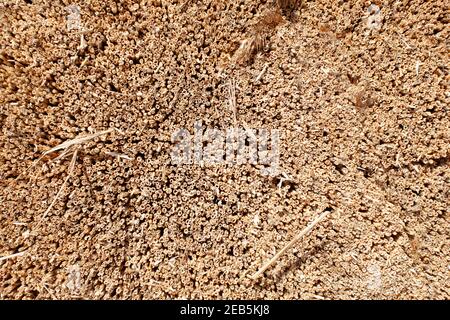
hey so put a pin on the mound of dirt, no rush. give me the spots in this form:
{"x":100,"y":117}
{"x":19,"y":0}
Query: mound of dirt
{"x":357,"y":91}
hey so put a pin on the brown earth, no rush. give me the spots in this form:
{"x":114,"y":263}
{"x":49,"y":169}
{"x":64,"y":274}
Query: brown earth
{"x":359,"y":96}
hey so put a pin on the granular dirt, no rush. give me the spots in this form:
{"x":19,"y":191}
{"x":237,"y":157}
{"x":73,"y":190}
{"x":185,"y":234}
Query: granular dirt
{"x":358,"y":91}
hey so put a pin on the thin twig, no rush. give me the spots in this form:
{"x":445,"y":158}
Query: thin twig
{"x":184,"y":5}
{"x":232,"y":99}
{"x":289,"y":245}
{"x":71,"y":167}
{"x":264,"y":69}
{"x":32,"y":165}
{"x":17,"y":223}
{"x":118,"y":155}
{"x":62,"y":155}
{"x":12,"y":256}
{"x":49,"y":292}
{"x":66,"y":145}
{"x":78,"y":140}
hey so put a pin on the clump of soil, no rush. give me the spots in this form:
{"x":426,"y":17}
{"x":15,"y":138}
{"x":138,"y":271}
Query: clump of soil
{"x":358,"y":91}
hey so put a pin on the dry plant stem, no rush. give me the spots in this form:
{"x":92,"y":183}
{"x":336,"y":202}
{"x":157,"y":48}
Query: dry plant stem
{"x":232,"y":99}
{"x":184,"y":5}
{"x":12,"y":256}
{"x":33,"y":164}
{"x":78,"y":140}
{"x":262,"y":72}
{"x":49,"y":292}
{"x":62,"y":155}
{"x":71,"y":167}
{"x":290,"y":244}
{"x":66,"y":145}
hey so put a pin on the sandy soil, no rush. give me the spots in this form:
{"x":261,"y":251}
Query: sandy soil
{"x":358,"y":91}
